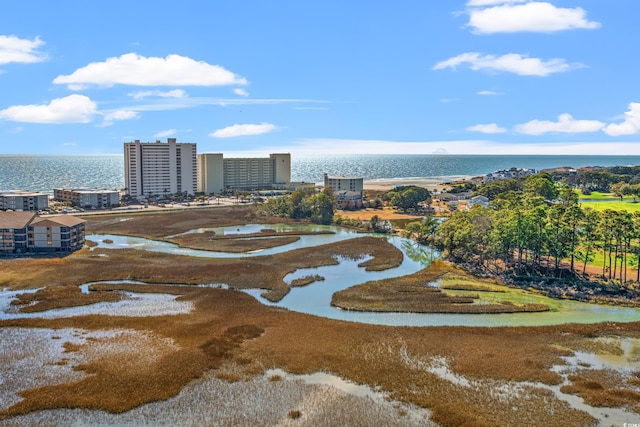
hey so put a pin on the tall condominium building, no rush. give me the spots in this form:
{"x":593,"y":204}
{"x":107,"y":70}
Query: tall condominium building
{"x":158,"y":169}
{"x":18,"y":200}
{"x":217,"y":174}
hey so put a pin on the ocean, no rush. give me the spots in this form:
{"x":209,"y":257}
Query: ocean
{"x":46,"y":172}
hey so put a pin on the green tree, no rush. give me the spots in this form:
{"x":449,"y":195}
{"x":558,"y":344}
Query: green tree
{"x":541,"y":185}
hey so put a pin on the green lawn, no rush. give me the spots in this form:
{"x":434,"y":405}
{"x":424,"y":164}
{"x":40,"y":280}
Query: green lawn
{"x":596,"y":195}
{"x":614,"y":204}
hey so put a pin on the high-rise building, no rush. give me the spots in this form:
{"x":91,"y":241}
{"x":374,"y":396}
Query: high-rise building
{"x":217,"y":174}
{"x":159,"y":169}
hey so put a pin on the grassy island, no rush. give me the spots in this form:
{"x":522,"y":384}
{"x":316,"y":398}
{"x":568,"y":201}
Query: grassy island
{"x":422,"y":293}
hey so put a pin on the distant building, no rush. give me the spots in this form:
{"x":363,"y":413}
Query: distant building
{"x":509,"y":173}
{"x":83,"y":198}
{"x":346,"y":199}
{"x":22,"y":232}
{"x":18,"y":200}
{"x":339,"y":183}
{"x":478,"y":200}
{"x":217,"y":174}
{"x":349,"y":192}
{"x":159,"y":169}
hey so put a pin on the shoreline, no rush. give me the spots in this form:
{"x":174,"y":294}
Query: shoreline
{"x":431,"y":184}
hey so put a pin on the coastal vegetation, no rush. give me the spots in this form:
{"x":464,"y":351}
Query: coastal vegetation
{"x":302,"y":204}
{"x":464,"y":375}
{"x":427,"y":291}
{"x":540,"y":236}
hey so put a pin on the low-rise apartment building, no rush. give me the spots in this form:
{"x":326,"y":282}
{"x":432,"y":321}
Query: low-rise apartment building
{"x":84,"y":198}
{"x":21,"y":201}
{"x":24,"y":232}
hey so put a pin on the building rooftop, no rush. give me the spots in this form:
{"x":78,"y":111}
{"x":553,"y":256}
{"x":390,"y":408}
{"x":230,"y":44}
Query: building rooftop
{"x":20,"y":193}
{"x":15,"y":219}
{"x":57,"y":221}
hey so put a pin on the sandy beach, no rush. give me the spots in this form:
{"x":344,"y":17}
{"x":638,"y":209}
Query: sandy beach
{"x":431,"y":184}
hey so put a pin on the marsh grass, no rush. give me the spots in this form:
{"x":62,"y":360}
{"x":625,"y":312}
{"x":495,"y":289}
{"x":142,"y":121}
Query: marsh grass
{"x":414,"y":293}
{"x":306,"y":280}
{"x":232,"y":335}
{"x":603,"y":388}
{"x":266,"y":272}
{"x":62,"y":296}
{"x":163,"y":369}
{"x":228,"y":244}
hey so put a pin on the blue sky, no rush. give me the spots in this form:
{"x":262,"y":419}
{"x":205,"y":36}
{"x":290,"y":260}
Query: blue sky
{"x":321,"y":77}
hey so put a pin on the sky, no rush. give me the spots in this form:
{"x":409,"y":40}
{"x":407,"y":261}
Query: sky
{"x":252,"y":77}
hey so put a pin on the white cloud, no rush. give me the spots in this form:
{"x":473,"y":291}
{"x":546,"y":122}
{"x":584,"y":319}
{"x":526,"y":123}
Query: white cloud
{"x":565,"y":124}
{"x":539,"y":17}
{"x":122,"y":115}
{"x":109,"y":118}
{"x":487,"y":128}
{"x":70,"y":109}
{"x":14,"y":49}
{"x":136,"y":70}
{"x":176,"y":93}
{"x":240,"y":92}
{"x":165,"y":133}
{"x":512,"y":63}
{"x":243,"y":130}
{"x":630,"y":125}
{"x":488,"y":93}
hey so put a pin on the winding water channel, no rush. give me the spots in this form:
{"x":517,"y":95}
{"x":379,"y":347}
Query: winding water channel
{"x":315,"y":298}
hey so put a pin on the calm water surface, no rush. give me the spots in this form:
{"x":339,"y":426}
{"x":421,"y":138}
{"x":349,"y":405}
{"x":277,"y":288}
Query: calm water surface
{"x":315,"y":298}
{"x":46,"y":172}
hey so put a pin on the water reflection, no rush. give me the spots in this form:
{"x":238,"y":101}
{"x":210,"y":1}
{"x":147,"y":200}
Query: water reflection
{"x":315,"y":298}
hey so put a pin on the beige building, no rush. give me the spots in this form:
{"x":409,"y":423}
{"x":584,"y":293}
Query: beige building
{"x":159,"y":169}
{"x":349,"y":192}
{"x":339,"y":183}
{"x":83,"y":198}
{"x":18,"y":200}
{"x":217,"y":174}
{"x":22,"y":232}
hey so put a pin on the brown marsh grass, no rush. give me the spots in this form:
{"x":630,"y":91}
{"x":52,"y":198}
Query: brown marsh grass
{"x":230,"y":334}
{"x":603,"y":388}
{"x":265,"y":272}
{"x":414,"y":293}
{"x":228,"y":325}
{"x":61,"y":296}
{"x":232,"y":245}
{"x":306,"y":280}
{"x":156,"y":225}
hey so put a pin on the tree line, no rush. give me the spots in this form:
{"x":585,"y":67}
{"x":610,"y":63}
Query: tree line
{"x":302,"y":204}
{"x":539,"y":229}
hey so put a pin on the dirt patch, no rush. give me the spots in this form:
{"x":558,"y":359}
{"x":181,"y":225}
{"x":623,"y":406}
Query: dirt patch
{"x":383,"y":214}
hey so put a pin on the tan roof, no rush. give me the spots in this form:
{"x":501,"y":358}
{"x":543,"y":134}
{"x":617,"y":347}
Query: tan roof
{"x":15,"y":219}
{"x":57,"y":221}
